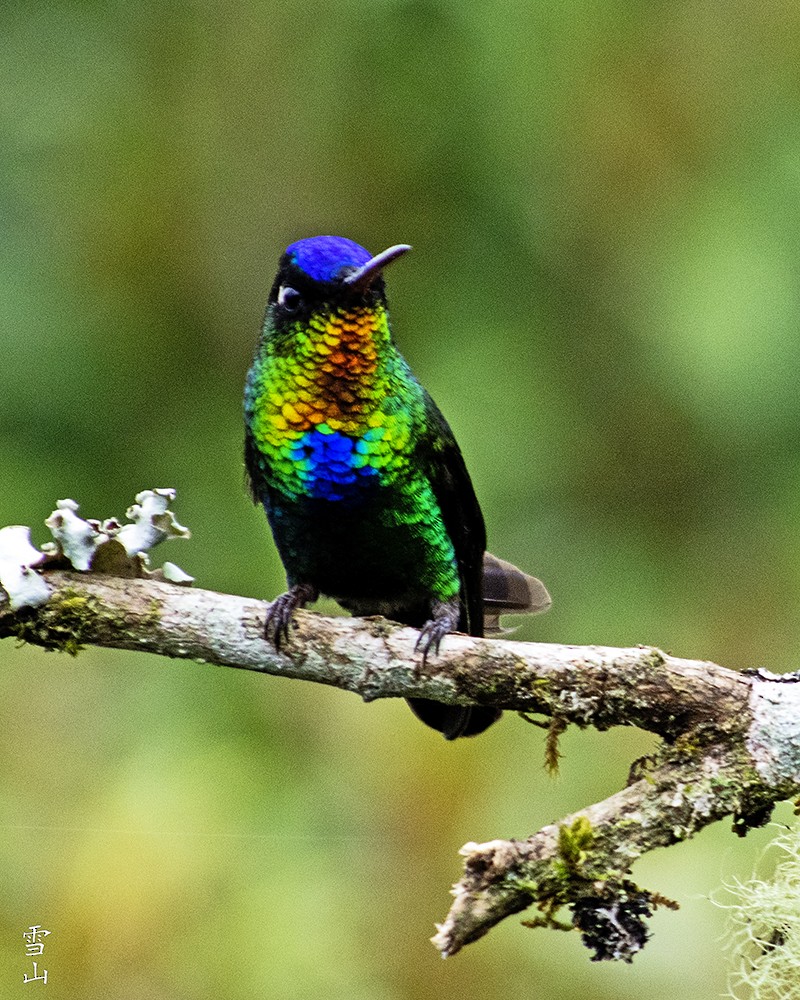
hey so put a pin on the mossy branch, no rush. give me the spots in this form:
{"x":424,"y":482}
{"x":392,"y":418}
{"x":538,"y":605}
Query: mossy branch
{"x":731,"y":743}
{"x":584,"y":685}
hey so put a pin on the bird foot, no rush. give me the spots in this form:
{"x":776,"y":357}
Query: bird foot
{"x":280,"y":612}
{"x":445,"y":619}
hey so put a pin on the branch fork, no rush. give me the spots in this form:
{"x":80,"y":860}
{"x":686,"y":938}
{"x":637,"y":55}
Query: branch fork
{"x":731,"y":741}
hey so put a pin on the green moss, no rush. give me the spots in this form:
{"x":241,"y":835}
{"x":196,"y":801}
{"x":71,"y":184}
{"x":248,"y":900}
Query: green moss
{"x":552,"y":754}
{"x":642,"y":769}
{"x":65,"y":623}
{"x":153,"y":616}
{"x":653,"y":660}
{"x":72,"y":618}
{"x":379,"y":627}
{"x":570,"y":869}
{"x":549,"y":909}
{"x":577,"y":880}
{"x":574,"y":843}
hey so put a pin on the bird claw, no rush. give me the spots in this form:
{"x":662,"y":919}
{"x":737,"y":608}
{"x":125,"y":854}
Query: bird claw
{"x":281,"y":611}
{"x":276,"y":624}
{"x":445,"y":620}
{"x":430,"y":638}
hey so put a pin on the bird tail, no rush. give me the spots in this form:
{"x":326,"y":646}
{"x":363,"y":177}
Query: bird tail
{"x":506,"y":591}
{"x":509,"y":591}
{"x":453,"y":721}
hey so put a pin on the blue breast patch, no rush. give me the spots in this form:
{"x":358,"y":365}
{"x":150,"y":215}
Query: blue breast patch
{"x":331,"y":465}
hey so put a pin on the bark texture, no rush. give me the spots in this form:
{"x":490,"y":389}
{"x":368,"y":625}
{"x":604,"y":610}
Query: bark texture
{"x":731,"y":741}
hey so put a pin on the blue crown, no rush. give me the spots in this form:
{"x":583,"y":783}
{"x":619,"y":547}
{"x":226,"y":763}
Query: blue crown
{"x":322,"y":258}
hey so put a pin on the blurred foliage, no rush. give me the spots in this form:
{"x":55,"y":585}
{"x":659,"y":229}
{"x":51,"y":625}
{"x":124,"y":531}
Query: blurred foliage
{"x":603,"y":298}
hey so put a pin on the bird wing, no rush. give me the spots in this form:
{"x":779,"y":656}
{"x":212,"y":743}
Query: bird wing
{"x":251,"y":466}
{"x":461,"y":512}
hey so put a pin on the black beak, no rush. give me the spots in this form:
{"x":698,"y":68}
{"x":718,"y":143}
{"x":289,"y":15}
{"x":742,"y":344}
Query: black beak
{"x":367,"y":273}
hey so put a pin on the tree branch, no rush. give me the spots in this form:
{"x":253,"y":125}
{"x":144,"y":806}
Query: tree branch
{"x":732,"y":740}
{"x":587,"y":685}
{"x":669,"y":805}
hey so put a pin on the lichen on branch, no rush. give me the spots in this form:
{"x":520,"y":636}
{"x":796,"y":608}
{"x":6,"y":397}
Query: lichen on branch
{"x":107,"y":546}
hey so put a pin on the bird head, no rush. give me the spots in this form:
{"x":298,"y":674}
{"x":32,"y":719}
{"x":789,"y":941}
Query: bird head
{"x":325,"y":274}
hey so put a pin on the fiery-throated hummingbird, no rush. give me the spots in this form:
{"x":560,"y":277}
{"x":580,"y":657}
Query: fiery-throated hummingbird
{"x":364,"y":486}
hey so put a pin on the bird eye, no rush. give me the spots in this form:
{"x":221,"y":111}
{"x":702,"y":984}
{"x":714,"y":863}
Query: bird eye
{"x":289,"y":299}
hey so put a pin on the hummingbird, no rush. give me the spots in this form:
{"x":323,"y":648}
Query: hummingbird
{"x":362,"y":481}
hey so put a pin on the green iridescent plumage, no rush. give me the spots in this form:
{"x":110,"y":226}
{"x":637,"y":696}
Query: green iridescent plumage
{"x":338,"y":418}
{"x":363,"y":483}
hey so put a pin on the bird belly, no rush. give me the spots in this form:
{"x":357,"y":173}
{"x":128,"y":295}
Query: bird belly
{"x":378,"y":554}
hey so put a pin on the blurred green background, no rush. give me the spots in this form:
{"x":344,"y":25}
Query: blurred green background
{"x":604,"y":203}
